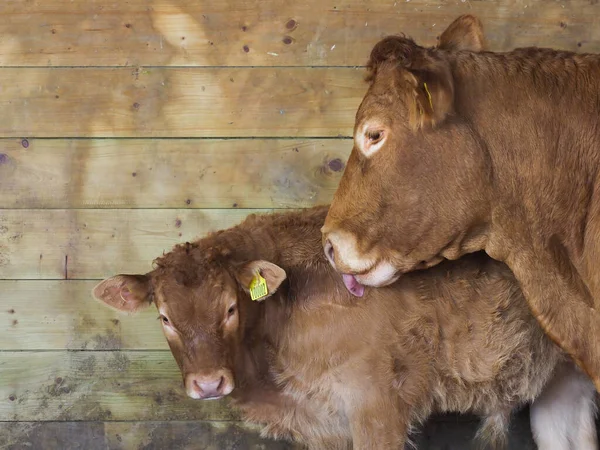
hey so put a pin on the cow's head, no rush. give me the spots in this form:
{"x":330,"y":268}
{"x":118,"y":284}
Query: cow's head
{"x":204,"y":308}
{"x":413,"y":174}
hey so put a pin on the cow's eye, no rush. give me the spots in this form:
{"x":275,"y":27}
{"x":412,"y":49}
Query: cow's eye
{"x":374,"y":136}
{"x":231,"y":311}
{"x":164,"y":320}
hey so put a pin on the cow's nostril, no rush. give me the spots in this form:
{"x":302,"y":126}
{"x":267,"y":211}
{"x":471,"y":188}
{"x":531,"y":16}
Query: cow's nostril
{"x":220,"y":385}
{"x":329,"y":251}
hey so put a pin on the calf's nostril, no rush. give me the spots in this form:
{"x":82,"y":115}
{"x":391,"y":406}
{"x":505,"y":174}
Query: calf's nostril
{"x":197,"y":386}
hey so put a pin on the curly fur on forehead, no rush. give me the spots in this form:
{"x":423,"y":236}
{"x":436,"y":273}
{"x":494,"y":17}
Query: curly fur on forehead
{"x":191,"y":263}
{"x":257,"y":235}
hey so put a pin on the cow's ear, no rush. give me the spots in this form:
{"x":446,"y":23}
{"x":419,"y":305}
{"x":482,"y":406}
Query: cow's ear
{"x":431,"y":98}
{"x":125,"y":293}
{"x":422,"y":78}
{"x":465,"y":33}
{"x":271,"y":273}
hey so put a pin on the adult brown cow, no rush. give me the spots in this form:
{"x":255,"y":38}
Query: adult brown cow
{"x":458,"y":150}
{"x":310,"y":362}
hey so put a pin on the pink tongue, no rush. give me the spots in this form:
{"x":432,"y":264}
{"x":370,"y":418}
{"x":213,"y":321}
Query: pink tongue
{"x":353,"y":286}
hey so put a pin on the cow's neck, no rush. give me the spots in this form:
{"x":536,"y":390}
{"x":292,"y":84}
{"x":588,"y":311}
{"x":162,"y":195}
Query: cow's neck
{"x":538,"y":130}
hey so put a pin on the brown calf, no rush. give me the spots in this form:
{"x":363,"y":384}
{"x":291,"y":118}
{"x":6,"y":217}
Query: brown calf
{"x":311,"y":363}
{"x":458,"y":150}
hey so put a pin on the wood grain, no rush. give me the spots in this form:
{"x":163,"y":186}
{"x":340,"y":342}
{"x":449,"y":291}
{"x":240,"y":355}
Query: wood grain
{"x":151,"y":435}
{"x":190,"y":173}
{"x":57,"y":315}
{"x":95,"y":243}
{"x":267,"y":32}
{"x":225,"y":102}
{"x":43,"y":386}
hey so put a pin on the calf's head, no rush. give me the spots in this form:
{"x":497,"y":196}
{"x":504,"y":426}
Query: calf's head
{"x":204,"y":310}
{"x":412,"y":179}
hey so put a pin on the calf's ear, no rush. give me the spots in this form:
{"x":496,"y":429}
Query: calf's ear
{"x":272,"y":274}
{"x":125,"y":293}
{"x":464,"y":33}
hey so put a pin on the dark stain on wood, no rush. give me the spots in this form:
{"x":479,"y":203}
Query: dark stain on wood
{"x":53,"y":436}
{"x":170,"y":396}
{"x":291,"y":24}
{"x":131,"y":435}
{"x":204,"y":435}
{"x":60,"y":387}
{"x":107,"y":341}
{"x":336,"y":165}
{"x":87,"y":366}
{"x":119,"y":362}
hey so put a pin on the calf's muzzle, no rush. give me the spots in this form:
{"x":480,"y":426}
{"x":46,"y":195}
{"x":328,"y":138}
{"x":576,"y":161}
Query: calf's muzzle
{"x":212,"y":385}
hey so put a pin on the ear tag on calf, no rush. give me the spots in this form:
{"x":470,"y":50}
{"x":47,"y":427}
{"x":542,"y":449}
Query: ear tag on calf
{"x":258,"y":287}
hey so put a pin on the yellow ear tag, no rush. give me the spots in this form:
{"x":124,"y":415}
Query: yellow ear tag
{"x":428,"y":95}
{"x":258,"y":287}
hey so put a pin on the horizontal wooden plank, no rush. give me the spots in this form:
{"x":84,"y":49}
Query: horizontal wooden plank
{"x":447,"y":432}
{"x":43,"y":386}
{"x":147,"y":173}
{"x":56,"y":315}
{"x":267,"y":32}
{"x":95,"y":243}
{"x":172,"y":435}
{"x":224,"y":102}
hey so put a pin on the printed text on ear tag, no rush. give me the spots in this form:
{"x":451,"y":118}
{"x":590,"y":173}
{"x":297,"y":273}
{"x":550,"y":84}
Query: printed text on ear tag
{"x":258,"y":287}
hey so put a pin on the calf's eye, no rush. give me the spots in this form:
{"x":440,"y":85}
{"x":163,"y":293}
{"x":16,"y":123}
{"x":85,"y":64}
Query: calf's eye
{"x":231,"y":311}
{"x":164,"y":320}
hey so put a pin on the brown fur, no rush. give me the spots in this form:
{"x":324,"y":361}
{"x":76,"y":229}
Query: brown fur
{"x":313,"y":364}
{"x":506,"y":160}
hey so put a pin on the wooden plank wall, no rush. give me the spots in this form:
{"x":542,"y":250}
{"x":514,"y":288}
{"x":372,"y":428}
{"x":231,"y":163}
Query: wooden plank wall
{"x":129,"y":126}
